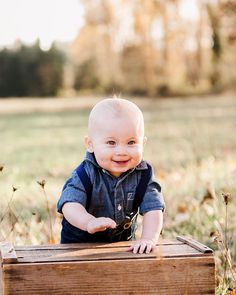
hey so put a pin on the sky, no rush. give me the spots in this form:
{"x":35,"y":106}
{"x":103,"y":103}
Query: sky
{"x":52,"y":20}
{"x":47,"y":20}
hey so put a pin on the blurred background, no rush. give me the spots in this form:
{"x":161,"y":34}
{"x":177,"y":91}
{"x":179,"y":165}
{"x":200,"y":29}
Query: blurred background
{"x":175,"y":59}
{"x":153,"y":47}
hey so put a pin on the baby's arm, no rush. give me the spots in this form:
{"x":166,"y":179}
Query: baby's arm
{"x":152,"y":225}
{"x":77,"y":215}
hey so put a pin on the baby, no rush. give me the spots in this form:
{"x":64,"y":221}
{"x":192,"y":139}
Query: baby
{"x":101,"y":200}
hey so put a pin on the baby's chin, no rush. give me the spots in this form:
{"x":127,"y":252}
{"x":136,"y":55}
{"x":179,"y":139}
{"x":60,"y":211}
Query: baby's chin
{"x":120,"y":170}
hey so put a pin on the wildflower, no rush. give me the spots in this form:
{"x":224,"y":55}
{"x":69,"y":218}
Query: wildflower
{"x":209,"y":195}
{"x":226,"y":198}
{"x":42,"y":183}
{"x":14,"y":188}
{"x":214,"y":234}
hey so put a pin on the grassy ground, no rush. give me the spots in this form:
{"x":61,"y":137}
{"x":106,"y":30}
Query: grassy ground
{"x":191,"y":143}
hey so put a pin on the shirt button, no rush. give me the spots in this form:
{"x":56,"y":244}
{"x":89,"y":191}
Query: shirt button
{"x":119,"y":207}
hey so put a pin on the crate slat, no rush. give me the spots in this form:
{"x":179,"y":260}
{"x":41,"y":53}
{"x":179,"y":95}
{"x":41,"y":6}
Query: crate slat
{"x":83,"y":255}
{"x":91,"y":245}
{"x":195,"y":244}
{"x":169,"y":276}
{"x":7,"y":253}
{"x":97,"y":253}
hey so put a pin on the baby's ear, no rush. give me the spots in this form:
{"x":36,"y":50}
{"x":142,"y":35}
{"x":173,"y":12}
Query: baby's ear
{"x":88,"y":144}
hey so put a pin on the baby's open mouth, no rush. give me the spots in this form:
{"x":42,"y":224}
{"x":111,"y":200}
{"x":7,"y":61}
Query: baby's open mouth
{"x":121,"y":162}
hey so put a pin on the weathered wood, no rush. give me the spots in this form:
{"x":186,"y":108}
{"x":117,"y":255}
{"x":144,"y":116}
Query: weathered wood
{"x":91,"y":245}
{"x":175,"y":267}
{"x":97,"y":253}
{"x":195,"y":244}
{"x":150,"y":276}
{"x":7,"y":252}
{"x":82,"y":255}
{"x":1,"y":278}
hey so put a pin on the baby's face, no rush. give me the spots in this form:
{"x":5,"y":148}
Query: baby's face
{"x":117,"y":143}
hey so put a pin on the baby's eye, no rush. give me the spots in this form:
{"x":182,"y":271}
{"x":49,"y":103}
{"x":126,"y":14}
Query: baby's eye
{"x":111,"y":142}
{"x":131,"y":142}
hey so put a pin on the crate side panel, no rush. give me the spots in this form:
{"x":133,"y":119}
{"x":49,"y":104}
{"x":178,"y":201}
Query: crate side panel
{"x":195,"y":275}
{"x":1,"y":278}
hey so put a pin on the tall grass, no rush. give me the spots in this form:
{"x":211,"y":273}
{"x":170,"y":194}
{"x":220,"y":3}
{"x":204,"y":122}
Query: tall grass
{"x":191,"y":144}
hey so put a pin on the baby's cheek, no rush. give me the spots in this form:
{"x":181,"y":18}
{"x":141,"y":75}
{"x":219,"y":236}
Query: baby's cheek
{"x":103,"y":161}
{"x":138,"y":157}
{"x":137,"y":153}
{"x":99,"y":160}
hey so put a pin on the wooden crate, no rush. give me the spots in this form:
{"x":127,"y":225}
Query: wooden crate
{"x":181,"y":266}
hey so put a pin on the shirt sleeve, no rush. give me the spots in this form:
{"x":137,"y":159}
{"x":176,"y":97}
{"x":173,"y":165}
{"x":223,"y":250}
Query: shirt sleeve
{"x":73,"y":191}
{"x":153,"y":198}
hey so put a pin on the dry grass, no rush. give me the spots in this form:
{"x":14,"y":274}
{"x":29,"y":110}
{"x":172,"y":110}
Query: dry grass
{"x":191,"y":144}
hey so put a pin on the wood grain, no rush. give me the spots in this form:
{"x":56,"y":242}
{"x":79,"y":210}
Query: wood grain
{"x":174,"y":267}
{"x":97,"y":253}
{"x":92,"y":245}
{"x":7,"y":252}
{"x":1,"y":279}
{"x":195,"y":244}
{"x":193,"y":275}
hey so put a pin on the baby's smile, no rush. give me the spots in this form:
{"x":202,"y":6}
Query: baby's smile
{"x":121,"y":163}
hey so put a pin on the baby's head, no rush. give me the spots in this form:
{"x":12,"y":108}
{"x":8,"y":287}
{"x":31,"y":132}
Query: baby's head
{"x":116,"y":135}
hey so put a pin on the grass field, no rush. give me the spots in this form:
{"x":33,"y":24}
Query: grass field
{"x":191,"y":143}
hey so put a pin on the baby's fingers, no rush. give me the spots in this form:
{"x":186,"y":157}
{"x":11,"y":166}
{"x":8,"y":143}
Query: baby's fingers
{"x":142,"y":246}
{"x":111,"y":223}
{"x":100,"y":224}
{"x":107,"y":223}
{"x":149,"y":248}
{"x":135,"y":248}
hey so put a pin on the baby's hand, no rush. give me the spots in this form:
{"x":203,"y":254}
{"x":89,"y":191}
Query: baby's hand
{"x":142,"y":246}
{"x":100,"y":224}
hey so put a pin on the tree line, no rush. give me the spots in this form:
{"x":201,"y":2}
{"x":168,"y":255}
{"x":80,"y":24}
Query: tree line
{"x":152,"y":47}
{"x":30,"y":71}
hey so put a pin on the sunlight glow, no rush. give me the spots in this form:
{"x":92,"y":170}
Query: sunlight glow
{"x":29,"y":20}
{"x":61,"y":20}
{"x":188,"y":9}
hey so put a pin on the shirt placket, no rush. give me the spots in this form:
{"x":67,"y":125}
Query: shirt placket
{"x":119,"y":200}
{"x":119,"y":203}
{"x":119,"y":210}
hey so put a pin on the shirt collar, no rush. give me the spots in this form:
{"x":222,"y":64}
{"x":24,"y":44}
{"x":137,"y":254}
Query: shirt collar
{"x":91,"y":158}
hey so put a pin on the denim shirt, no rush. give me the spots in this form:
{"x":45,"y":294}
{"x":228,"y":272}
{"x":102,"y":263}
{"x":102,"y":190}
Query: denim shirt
{"x":111,"y":196}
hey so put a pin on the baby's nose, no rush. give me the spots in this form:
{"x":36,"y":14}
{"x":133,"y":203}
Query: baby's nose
{"x":121,"y":150}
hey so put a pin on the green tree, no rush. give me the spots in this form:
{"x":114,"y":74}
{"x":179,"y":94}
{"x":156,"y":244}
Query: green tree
{"x":29,"y":71}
